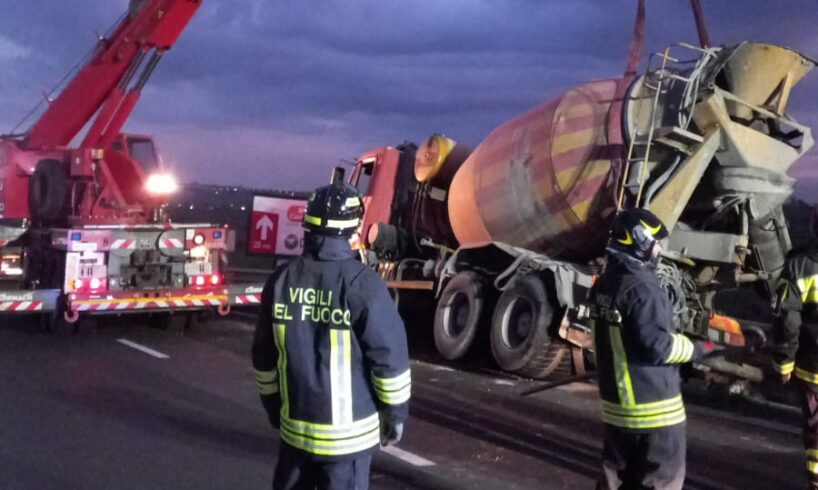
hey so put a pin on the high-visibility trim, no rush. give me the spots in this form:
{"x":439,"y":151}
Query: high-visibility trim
{"x":812,"y":467}
{"x":267,"y":382}
{"x":353,"y":202}
{"x":394,"y":390}
{"x":332,"y":223}
{"x":332,"y":431}
{"x":644,"y":409}
{"x":808,"y":287}
{"x":805,"y":375}
{"x":681,"y":351}
{"x":653,"y":230}
{"x":628,"y":239}
{"x":812,"y":453}
{"x":279,"y":334}
{"x":331,"y":448}
{"x":343,"y":224}
{"x":785,"y":368}
{"x":313,"y":220}
{"x":651,"y":415}
{"x":664,"y":419}
{"x":623,"y":376}
{"x":340,"y":375}
{"x":332,"y":439}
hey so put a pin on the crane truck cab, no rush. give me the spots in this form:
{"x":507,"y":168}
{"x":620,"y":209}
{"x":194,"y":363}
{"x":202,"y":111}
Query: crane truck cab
{"x":82,"y":227}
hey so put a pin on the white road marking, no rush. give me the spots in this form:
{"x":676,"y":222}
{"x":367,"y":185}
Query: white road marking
{"x":144,"y":349}
{"x":410,"y":458}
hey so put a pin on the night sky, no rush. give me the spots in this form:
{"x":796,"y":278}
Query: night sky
{"x":273,"y":93}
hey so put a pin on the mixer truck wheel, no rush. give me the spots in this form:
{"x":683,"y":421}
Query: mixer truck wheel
{"x":47,"y":190}
{"x":459,"y":314}
{"x":520,"y":337}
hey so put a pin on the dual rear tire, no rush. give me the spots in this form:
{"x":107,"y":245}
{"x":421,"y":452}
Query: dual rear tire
{"x":521,"y":324}
{"x":460,"y":313}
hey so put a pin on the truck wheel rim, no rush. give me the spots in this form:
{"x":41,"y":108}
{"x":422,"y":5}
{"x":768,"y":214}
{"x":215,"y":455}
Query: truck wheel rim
{"x":518,"y":322}
{"x":457,"y":315}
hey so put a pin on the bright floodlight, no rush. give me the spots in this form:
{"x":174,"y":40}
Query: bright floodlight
{"x":161,"y":184}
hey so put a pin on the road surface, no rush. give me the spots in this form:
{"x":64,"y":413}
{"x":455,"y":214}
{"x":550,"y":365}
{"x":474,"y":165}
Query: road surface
{"x":122,"y":405}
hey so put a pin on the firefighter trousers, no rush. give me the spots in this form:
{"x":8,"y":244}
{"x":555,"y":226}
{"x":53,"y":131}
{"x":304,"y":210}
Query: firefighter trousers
{"x":651,"y":459}
{"x":809,"y":409}
{"x":297,"y":470}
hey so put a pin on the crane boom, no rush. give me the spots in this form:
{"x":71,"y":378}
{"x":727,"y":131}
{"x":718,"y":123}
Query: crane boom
{"x":110,"y":83}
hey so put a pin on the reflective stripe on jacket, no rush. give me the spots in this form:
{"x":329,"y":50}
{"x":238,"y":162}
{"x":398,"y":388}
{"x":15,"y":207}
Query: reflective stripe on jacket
{"x":330,"y":353}
{"x":637,"y":351}
{"x":795,"y":328}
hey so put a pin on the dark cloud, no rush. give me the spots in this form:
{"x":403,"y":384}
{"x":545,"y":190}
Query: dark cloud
{"x":273,"y":93}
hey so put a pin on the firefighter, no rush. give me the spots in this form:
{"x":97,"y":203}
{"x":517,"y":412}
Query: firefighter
{"x":330,"y":354}
{"x":795,"y":337}
{"x":638,"y":358}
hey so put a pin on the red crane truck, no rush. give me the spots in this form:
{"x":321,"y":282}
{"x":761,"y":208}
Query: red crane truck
{"x":510,"y":236}
{"x":82,"y":223}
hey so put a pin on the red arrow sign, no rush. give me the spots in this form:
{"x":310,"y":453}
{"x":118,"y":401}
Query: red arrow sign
{"x":264,"y":233}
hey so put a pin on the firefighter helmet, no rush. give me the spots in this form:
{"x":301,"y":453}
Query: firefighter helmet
{"x":335,"y":209}
{"x":635,"y":231}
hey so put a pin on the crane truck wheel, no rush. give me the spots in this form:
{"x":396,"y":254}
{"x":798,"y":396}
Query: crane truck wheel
{"x":47,"y":191}
{"x":520,"y":337}
{"x":459,"y":314}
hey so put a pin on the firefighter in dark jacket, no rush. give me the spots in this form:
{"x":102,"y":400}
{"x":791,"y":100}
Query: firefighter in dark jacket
{"x":795,"y":335}
{"x":330,"y":354}
{"x":638,"y":356}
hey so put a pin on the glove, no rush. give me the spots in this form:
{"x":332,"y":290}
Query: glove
{"x":391,"y":432}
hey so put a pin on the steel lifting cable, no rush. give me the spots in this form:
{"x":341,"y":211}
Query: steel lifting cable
{"x":71,"y":72}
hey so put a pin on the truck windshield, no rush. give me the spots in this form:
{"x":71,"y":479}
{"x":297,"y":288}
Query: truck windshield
{"x":143,"y":151}
{"x":362,"y":177}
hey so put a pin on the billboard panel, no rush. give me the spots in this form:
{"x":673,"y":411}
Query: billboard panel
{"x":275,"y":226}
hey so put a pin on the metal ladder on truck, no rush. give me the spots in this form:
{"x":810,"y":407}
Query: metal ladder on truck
{"x":663,"y":73}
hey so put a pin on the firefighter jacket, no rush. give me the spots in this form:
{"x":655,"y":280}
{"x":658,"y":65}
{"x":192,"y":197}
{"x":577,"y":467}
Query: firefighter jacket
{"x":637,"y":351}
{"x":330,"y":352}
{"x":795,"y":328}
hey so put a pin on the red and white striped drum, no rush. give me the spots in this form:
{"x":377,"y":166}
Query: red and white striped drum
{"x":545,"y":181}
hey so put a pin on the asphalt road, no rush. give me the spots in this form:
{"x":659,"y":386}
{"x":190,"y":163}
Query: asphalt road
{"x":124,"y":406}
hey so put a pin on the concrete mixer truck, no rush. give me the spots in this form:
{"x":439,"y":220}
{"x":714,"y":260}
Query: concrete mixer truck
{"x":510,"y":236}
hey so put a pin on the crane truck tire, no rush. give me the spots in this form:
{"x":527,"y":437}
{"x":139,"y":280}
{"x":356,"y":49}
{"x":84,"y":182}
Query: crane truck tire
{"x":459,"y":314}
{"x":54,"y":323}
{"x":520,"y":338}
{"x":47,"y":191}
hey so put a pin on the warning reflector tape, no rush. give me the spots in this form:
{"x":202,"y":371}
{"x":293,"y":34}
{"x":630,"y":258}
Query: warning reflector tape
{"x":21,"y":306}
{"x":123,"y":245}
{"x":171,"y":243}
{"x":147,"y":303}
{"x":248,"y":299}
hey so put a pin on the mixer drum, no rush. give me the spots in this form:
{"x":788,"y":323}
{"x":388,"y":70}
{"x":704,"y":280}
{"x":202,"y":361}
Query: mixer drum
{"x":545,"y":181}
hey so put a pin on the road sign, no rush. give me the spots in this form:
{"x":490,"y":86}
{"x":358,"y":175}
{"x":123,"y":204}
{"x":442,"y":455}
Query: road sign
{"x":266,"y":226}
{"x":275,"y":226}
